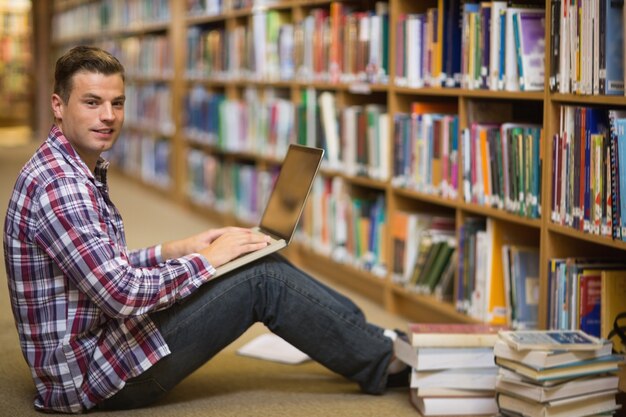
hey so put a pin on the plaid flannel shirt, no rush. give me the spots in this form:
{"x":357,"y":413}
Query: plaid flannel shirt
{"x":80,"y":299}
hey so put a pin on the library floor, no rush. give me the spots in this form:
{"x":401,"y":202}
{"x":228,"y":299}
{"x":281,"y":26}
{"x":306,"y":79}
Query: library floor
{"x":229,"y":385}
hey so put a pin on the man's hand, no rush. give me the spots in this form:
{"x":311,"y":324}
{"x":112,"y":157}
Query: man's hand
{"x":233,"y":243}
{"x":196,"y":243}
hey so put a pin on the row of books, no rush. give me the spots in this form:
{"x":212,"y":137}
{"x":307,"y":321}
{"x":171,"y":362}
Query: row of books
{"x":92,"y":18}
{"x":144,"y":156}
{"x":238,"y":188}
{"x":424,"y":253}
{"x":350,"y":226}
{"x":216,"y":7}
{"x":356,"y":138}
{"x":143,"y":57}
{"x":497,"y":280}
{"x":587,"y":54}
{"x":585,"y":293}
{"x":502,"y":166}
{"x":149,"y":107}
{"x":480,"y":278}
{"x":426,"y":149}
{"x":341,"y":45}
{"x":496,"y":46}
{"x":473,"y":369}
{"x":587,"y":156}
{"x":261,"y":125}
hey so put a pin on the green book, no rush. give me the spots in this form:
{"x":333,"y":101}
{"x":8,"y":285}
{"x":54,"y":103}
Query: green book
{"x":439,"y":265}
{"x":433,"y":253}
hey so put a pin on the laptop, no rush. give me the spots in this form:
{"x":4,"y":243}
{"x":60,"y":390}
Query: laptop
{"x":285,"y":204}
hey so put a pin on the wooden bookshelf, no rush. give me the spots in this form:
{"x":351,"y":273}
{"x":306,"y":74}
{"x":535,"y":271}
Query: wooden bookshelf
{"x":542,"y":107}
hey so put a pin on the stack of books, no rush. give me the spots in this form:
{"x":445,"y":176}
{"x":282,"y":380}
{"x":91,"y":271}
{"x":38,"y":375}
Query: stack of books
{"x":454,"y":372}
{"x":554,"y":373}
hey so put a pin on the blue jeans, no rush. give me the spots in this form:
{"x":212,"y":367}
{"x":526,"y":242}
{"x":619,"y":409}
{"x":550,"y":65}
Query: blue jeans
{"x":324,"y":324}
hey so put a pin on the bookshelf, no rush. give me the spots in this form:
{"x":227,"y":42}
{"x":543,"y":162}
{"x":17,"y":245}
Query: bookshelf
{"x":260,"y":86}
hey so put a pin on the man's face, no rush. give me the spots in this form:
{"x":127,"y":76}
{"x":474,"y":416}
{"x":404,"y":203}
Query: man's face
{"x":92,"y":118}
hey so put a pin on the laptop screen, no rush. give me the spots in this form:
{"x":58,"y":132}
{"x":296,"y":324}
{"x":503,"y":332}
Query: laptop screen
{"x":291,"y":189}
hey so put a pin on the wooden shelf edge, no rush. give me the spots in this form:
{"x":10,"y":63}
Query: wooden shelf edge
{"x":594,"y":100}
{"x":425,"y":308}
{"x":588,"y":237}
{"x":500,"y":214}
{"x":358,"y":280}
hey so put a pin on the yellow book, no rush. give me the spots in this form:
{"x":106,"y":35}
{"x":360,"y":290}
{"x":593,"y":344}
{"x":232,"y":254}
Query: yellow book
{"x":496,"y":302}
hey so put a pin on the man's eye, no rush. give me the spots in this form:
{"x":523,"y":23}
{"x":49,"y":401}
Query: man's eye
{"x":91,"y":102}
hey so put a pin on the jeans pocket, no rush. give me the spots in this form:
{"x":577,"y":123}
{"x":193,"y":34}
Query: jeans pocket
{"x":136,"y":393}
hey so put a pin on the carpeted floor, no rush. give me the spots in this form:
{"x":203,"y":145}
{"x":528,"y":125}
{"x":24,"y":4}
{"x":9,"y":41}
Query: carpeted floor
{"x":229,"y":385}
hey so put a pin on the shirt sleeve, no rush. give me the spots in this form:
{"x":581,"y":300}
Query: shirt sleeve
{"x":145,"y":257}
{"x":76,"y":230}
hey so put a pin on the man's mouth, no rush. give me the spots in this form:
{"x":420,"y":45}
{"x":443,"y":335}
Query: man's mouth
{"x":104,"y":131}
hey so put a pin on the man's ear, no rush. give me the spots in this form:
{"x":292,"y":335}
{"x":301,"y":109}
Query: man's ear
{"x":57,"y":106}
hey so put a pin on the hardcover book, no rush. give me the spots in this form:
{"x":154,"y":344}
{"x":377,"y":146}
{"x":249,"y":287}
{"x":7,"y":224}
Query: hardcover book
{"x":603,"y":364}
{"x":593,"y":404}
{"x":511,"y":383}
{"x":529,"y":31}
{"x":548,"y":358}
{"x":551,"y":340}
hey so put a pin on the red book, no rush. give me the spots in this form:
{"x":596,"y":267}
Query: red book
{"x":453,"y":334}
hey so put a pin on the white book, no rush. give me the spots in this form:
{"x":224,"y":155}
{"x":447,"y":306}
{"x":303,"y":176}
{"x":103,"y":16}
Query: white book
{"x":566,"y":389}
{"x":349,"y":129}
{"x":548,"y":358}
{"x":497,"y":7}
{"x":511,"y":74}
{"x":470,"y":378}
{"x":384,"y":145}
{"x":331,"y":129}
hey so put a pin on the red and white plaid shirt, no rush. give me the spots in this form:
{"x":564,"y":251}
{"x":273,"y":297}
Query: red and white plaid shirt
{"x":79,"y":297}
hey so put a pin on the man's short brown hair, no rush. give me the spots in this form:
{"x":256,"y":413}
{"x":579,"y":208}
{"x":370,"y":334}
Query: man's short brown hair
{"x":83,"y":58}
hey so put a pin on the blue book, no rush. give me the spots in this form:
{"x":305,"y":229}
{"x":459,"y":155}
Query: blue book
{"x":452,"y":43}
{"x":621,"y":152}
{"x":502,"y":65}
{"x":525,"y":286}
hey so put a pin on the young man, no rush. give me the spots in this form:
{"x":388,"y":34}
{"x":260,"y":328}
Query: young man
{"x":102,"y":326}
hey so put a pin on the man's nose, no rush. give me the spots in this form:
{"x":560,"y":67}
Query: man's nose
{"x":106,"y":112}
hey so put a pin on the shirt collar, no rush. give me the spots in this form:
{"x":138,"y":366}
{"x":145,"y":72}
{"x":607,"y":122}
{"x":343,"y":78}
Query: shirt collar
{"x":58,"y":141}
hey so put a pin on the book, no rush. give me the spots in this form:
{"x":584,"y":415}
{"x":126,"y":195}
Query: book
{"x":529,"y":35}
{"x":612,"y":296}
{"x":437,"y":346}
{"x":510,"y":383}
{"x":551,"y":339}
{"x":595,"y":366}
{"x":465,"y":378}
{"x":434,"y":358}
{"x":524,"y":286}
{"x":452,"y":392}
{"x":548,"y":358}
{"x":453,"y":334}
{"x":612,"y":41}
{"x":458,"y":406}
{"x":271,"y":347}
{"x":571,"y":407}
